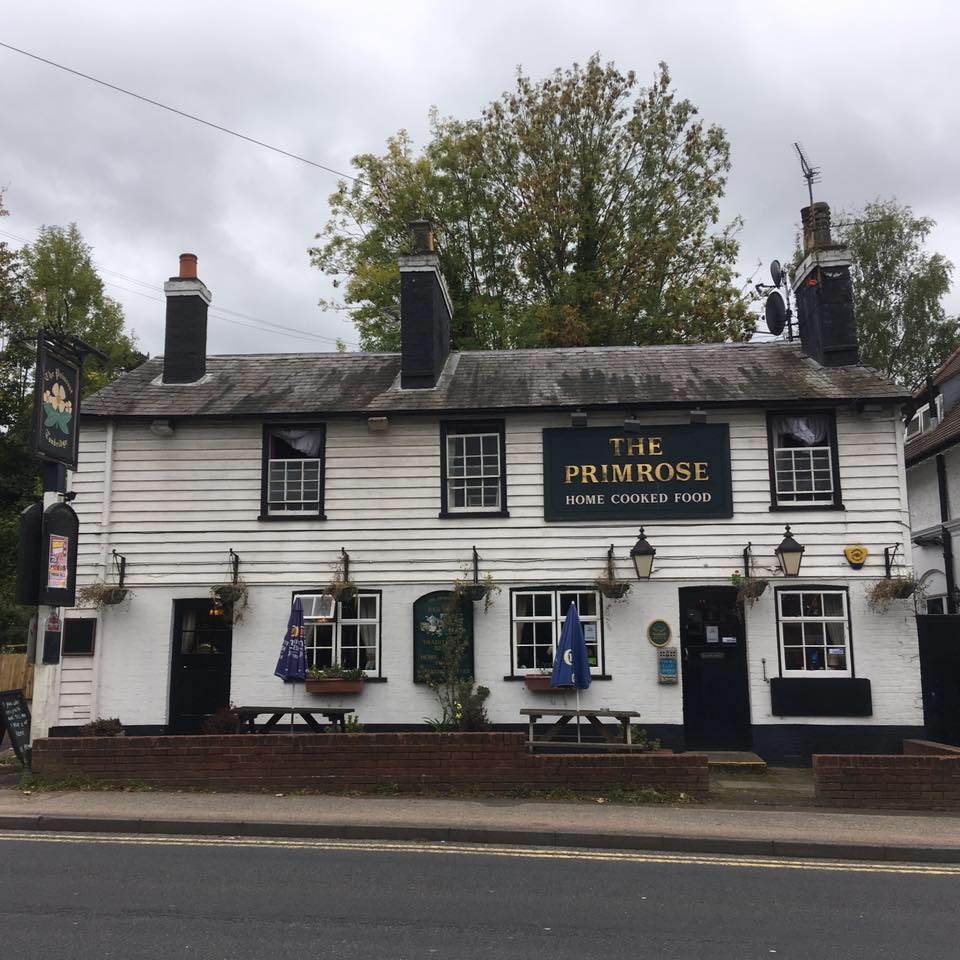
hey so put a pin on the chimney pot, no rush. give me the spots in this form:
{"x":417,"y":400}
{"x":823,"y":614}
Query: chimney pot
{"x":816,"y":227}
{"x":422,"y":236}
{"x":188,"y":266}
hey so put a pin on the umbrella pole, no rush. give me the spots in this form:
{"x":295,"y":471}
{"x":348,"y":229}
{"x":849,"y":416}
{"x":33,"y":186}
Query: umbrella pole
{"x":293,"y":694}
{"x":578,"y":714}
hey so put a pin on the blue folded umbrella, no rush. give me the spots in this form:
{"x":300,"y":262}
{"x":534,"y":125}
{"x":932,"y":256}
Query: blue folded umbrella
{"x":292,"y":664}
{"x":571,"y":665}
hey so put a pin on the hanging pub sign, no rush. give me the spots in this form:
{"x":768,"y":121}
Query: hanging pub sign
{"x":58,"y":555}
{"x":56,"y":406}
{"x":652,"y":473}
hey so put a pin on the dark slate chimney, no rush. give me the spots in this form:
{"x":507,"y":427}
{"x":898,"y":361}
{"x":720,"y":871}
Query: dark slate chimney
{"x":185,"y":340}
{"x":824,"y":293}
{"x":425,"y":313}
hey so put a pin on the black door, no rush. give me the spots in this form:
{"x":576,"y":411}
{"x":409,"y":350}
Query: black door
{"x":939,"y":637}
{"x":716,"y":705}
{"x":200,"y":671}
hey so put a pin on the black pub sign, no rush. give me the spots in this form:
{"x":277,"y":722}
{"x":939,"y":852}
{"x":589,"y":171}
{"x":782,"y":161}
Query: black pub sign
{"x":654,"y":472}
{"x":56,"y":407}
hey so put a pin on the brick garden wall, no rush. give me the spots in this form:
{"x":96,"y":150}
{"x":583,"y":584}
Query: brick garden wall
{"x":490,"y":761}
{"x":919,"y":782}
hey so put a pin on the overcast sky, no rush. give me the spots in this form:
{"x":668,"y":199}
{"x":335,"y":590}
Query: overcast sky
{"x":869,"y":88}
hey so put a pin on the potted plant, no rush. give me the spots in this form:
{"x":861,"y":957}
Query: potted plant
{"x":334,"y":679}
{"x":99,"y":595}
{"x":749,"y":589}
{"x":884,"y":592}
{"x":231,"y":599}
{"x":540,"y":681}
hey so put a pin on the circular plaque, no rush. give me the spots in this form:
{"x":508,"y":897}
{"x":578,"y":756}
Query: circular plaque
{"x":658,"y":633}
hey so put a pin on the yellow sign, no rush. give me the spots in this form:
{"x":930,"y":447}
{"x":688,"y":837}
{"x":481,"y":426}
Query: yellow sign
{"x":856,"y":555}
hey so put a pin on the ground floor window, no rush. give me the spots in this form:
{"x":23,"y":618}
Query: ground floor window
{"x":350,"y":638}
{"x":814,"y":631}
{"x":538,"y":618}
{"x":936,"y":605}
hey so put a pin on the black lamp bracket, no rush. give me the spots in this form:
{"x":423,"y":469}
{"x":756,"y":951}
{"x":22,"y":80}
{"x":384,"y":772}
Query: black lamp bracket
{"x":120,"y":565}
{"x":234,"y":561}
{"x":889,"y":555}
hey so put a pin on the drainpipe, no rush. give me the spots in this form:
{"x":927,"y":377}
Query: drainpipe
{"x":947,"y":536}
{"x":105,"y":559}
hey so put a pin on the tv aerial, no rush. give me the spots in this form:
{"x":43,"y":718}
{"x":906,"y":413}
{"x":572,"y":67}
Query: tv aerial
{"x":810,"y":173}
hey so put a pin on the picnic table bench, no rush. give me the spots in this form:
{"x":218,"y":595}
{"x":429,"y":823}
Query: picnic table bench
{"x":336,"y":716}
{"x":616,"y":736}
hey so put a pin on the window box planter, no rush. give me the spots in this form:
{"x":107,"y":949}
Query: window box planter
{"x":539,"y":682}
{"x":333,"y":685}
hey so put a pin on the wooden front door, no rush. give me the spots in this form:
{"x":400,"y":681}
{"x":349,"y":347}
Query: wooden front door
{"x":716,"y":704}
{"x":200,"y":669}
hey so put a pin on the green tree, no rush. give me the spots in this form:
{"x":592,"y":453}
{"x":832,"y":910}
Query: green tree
{"x":49,"y":284}
{"x":577,"y":210}
{"x":899,"y":287}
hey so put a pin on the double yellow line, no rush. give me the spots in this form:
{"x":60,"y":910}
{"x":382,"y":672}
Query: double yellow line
{"x":489,"y":850}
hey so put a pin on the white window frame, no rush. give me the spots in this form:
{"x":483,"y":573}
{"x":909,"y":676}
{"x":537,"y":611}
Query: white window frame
{"x":314,"y":624}
{"x":556,"y":620}
{"x":450,"y":480}
{"x":800,"y":466}
{"x":842,"y":619}
{"x":311,"y":506}
{"x":921,"y":421}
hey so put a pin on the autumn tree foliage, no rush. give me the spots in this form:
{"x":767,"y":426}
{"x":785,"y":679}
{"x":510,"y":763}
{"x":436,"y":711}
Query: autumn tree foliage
{"x":581,"y":209}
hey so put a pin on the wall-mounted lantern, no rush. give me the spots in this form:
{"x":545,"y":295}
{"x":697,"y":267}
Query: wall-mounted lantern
{"x":642,"y":556}
{"x":790,"y":555}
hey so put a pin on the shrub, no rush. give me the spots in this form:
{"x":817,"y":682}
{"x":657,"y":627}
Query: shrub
{"x":103,"y":727}
{"x":224,"y":721}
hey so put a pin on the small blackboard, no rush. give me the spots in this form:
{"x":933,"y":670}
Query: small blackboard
{"x":15,"y":720}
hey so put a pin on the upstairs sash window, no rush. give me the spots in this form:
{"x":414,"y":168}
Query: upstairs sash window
{"x":474,"y":477}
{"x":803,"y":460}
{"x":292,"y":483}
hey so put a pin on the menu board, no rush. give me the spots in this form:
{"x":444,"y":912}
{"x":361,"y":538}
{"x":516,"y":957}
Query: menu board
{"x":15,"y":720}
{"x":427,"y":620}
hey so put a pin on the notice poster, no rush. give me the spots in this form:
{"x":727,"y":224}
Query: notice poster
{"x":713,"y":633}
{"x":57,"y":564}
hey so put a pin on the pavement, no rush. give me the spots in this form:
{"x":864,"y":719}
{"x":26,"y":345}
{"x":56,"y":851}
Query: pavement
{"x":766,"y":815}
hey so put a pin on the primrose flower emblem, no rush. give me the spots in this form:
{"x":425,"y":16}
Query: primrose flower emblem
{"x":58,"y":409}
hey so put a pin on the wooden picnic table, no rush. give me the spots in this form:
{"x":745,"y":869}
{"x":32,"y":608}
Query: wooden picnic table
{"x":336,"y":716}
{"x":615,"y":735}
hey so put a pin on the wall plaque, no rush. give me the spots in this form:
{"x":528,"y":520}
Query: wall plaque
{"x":659,"y":633}
{"x":654,"y":472}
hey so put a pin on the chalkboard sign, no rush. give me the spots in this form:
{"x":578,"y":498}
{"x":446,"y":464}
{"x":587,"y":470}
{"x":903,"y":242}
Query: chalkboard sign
{"x":15,"y":720}
{"x":427,"y":613}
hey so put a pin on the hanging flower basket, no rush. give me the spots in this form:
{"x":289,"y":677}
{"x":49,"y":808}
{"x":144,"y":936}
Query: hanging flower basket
{"x":100,"y":595}
{"x":613,"y":589}
{"x":474,"y":592}
{"x":884,"y":592}
{"x":231,"y":599}
{"x":539,"y":682}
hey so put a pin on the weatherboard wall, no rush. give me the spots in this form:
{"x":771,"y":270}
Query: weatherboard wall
{"x":179,"y":503}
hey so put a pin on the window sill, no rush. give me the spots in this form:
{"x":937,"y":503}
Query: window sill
{"x":471,"y":514}
{"x":518,"y":677}
{"x":796,"y":507}
{"x":287,"y":518}
{"x":365,"y":680}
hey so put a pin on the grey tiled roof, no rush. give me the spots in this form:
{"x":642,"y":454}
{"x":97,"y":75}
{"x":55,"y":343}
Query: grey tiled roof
{"x":589,"y":377}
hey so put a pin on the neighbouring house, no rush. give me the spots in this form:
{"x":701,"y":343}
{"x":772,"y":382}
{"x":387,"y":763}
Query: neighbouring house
{"x":933,"y":482}
{"x":768,"y":479}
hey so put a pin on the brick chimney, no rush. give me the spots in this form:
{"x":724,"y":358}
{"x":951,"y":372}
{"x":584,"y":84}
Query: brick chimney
{"x":425,"y":313}
{"x":185,"y":338}
{"x":824,"y":293}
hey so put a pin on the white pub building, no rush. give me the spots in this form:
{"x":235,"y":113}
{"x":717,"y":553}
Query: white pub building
{"x":390,"y":473}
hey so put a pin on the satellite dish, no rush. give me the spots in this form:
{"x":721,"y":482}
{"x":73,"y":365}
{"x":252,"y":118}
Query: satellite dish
{"x":775,"y":313}
{"x":776,"y":272}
